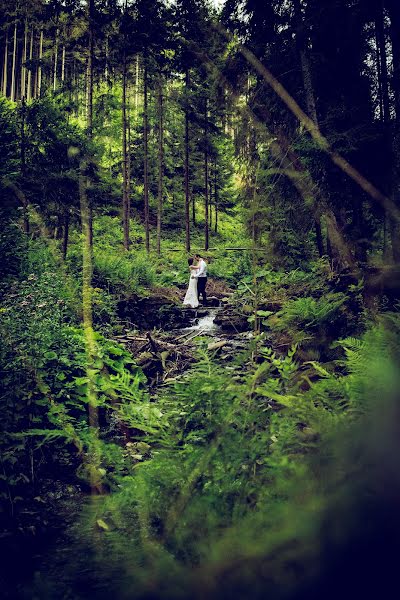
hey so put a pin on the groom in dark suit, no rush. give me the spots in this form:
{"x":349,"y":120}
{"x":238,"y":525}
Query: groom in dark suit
{"x":201,"y":277}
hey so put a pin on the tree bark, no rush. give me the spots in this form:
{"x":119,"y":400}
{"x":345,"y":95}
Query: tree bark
{"x":29,"y":82}
{"x":394,"y":12}
{"x":39,"y":73}
{"x":146,"y":155}
{"x":24,"y":57}
{"x":206,"y":201}
{"x":63,"y":64}
{"x":5,"y":66}
{"x":90,"y":58}
{"x":384,"y":106}
{"x":23,"y":165}
{"x":216,"y":200}
{"x":55,"y":67}
{"x":310,"y":101}
{"x":160,"y":162}
{"x":125,"y":174}
{"x":14,"y":66}
{"x":186,"y":166}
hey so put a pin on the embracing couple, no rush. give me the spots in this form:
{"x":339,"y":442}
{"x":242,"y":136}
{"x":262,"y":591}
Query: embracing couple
{"x":197,"y":282}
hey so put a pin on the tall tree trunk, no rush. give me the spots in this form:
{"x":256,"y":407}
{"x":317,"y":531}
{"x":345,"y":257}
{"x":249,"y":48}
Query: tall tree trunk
{"x":55,"y":67}
{"x":93,"y":454}
{"x":216,"y":199}
{"x":146,"y":154}
{"x":106,"y":68}
{"x":24,"y":58}
{"x":301,"y":41}
{"x":160,"y":162}
{"x":63,"y":64}
{"x":206,"y":191}
{"x":5,"y":66}
{"x":14,"y":66}
{"x":90,"y":57}
{"x":137,"y":90}
{"x":23,"y":165}
{"x":210,"y":201}
{"x":186,"y":165}
{"x":384,"y":105}
{"x":394,"y":13}
{"x":39,"y":72}
{"x":125,"y":185}
{"x":29,"y":82}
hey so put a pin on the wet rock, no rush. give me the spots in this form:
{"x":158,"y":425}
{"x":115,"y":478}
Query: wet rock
{"x":154,"y":312}
{"x":213,"y":301}
{"x":231,"y":322}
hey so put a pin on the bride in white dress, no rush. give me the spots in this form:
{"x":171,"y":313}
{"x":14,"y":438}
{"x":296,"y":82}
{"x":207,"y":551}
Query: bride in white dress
{"x":191,"y":298}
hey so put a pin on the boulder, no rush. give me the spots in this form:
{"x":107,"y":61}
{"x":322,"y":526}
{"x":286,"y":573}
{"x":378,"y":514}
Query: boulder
{"x":154,"y":312}
{"x":213,"y":301}
{"x":232,"y":322}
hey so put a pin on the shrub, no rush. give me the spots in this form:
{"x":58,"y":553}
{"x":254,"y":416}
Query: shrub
{"x":309,"y":312}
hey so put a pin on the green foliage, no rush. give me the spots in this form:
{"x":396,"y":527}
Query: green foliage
{"x":241,"y":468}
{"x":48,"y":379}
{"x":309,"y":312}
{"x":131,"y":272}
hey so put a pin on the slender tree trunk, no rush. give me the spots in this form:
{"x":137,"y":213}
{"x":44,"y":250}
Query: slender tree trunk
{"x":394,"y":14}
{"x":14,"y":66}
{"x":160,"y":162}
{"x":125,"y":186}
{"x":216,"y":200}
{"x":29,"y":82}
{"x":55,"y":61}
{"x":23,"y":165}
{"x":63,"y":64}
{"x":384,"y":106}
{"x":146,"y":154}
{"x":137,"y":91}
{"x":310,"y":101}
{"x":106,"y":69}
{"x":186,"y":165}
{"x":206,"y":191}
{"x":210,"y":201}
{"x":90,"y":58}
{"x":24,"y":57}
{"x":5,"y":66}
{"x":39,"y":72}
{"x":93,"y":455}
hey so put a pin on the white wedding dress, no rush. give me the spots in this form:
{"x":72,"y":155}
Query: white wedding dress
{"x":191,"y":298}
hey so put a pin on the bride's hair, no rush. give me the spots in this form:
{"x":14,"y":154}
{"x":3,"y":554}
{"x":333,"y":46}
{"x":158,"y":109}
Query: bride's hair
{"x":190,"y":261}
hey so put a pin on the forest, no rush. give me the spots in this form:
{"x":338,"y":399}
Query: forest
{"x":242,"y":444}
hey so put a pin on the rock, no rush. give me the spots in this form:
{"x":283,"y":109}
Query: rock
{"x":231,"y":322}
{"x":154,"y":312}
{"x":217,"y":345}
{"x":213,"y":301}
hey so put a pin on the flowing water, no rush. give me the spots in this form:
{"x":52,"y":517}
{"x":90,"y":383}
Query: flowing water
{"x":206,"y":323}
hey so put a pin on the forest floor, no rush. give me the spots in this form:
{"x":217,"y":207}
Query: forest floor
{"x":225,"y":433}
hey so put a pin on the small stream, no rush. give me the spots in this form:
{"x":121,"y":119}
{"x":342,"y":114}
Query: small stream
{"x":206,"y":322}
